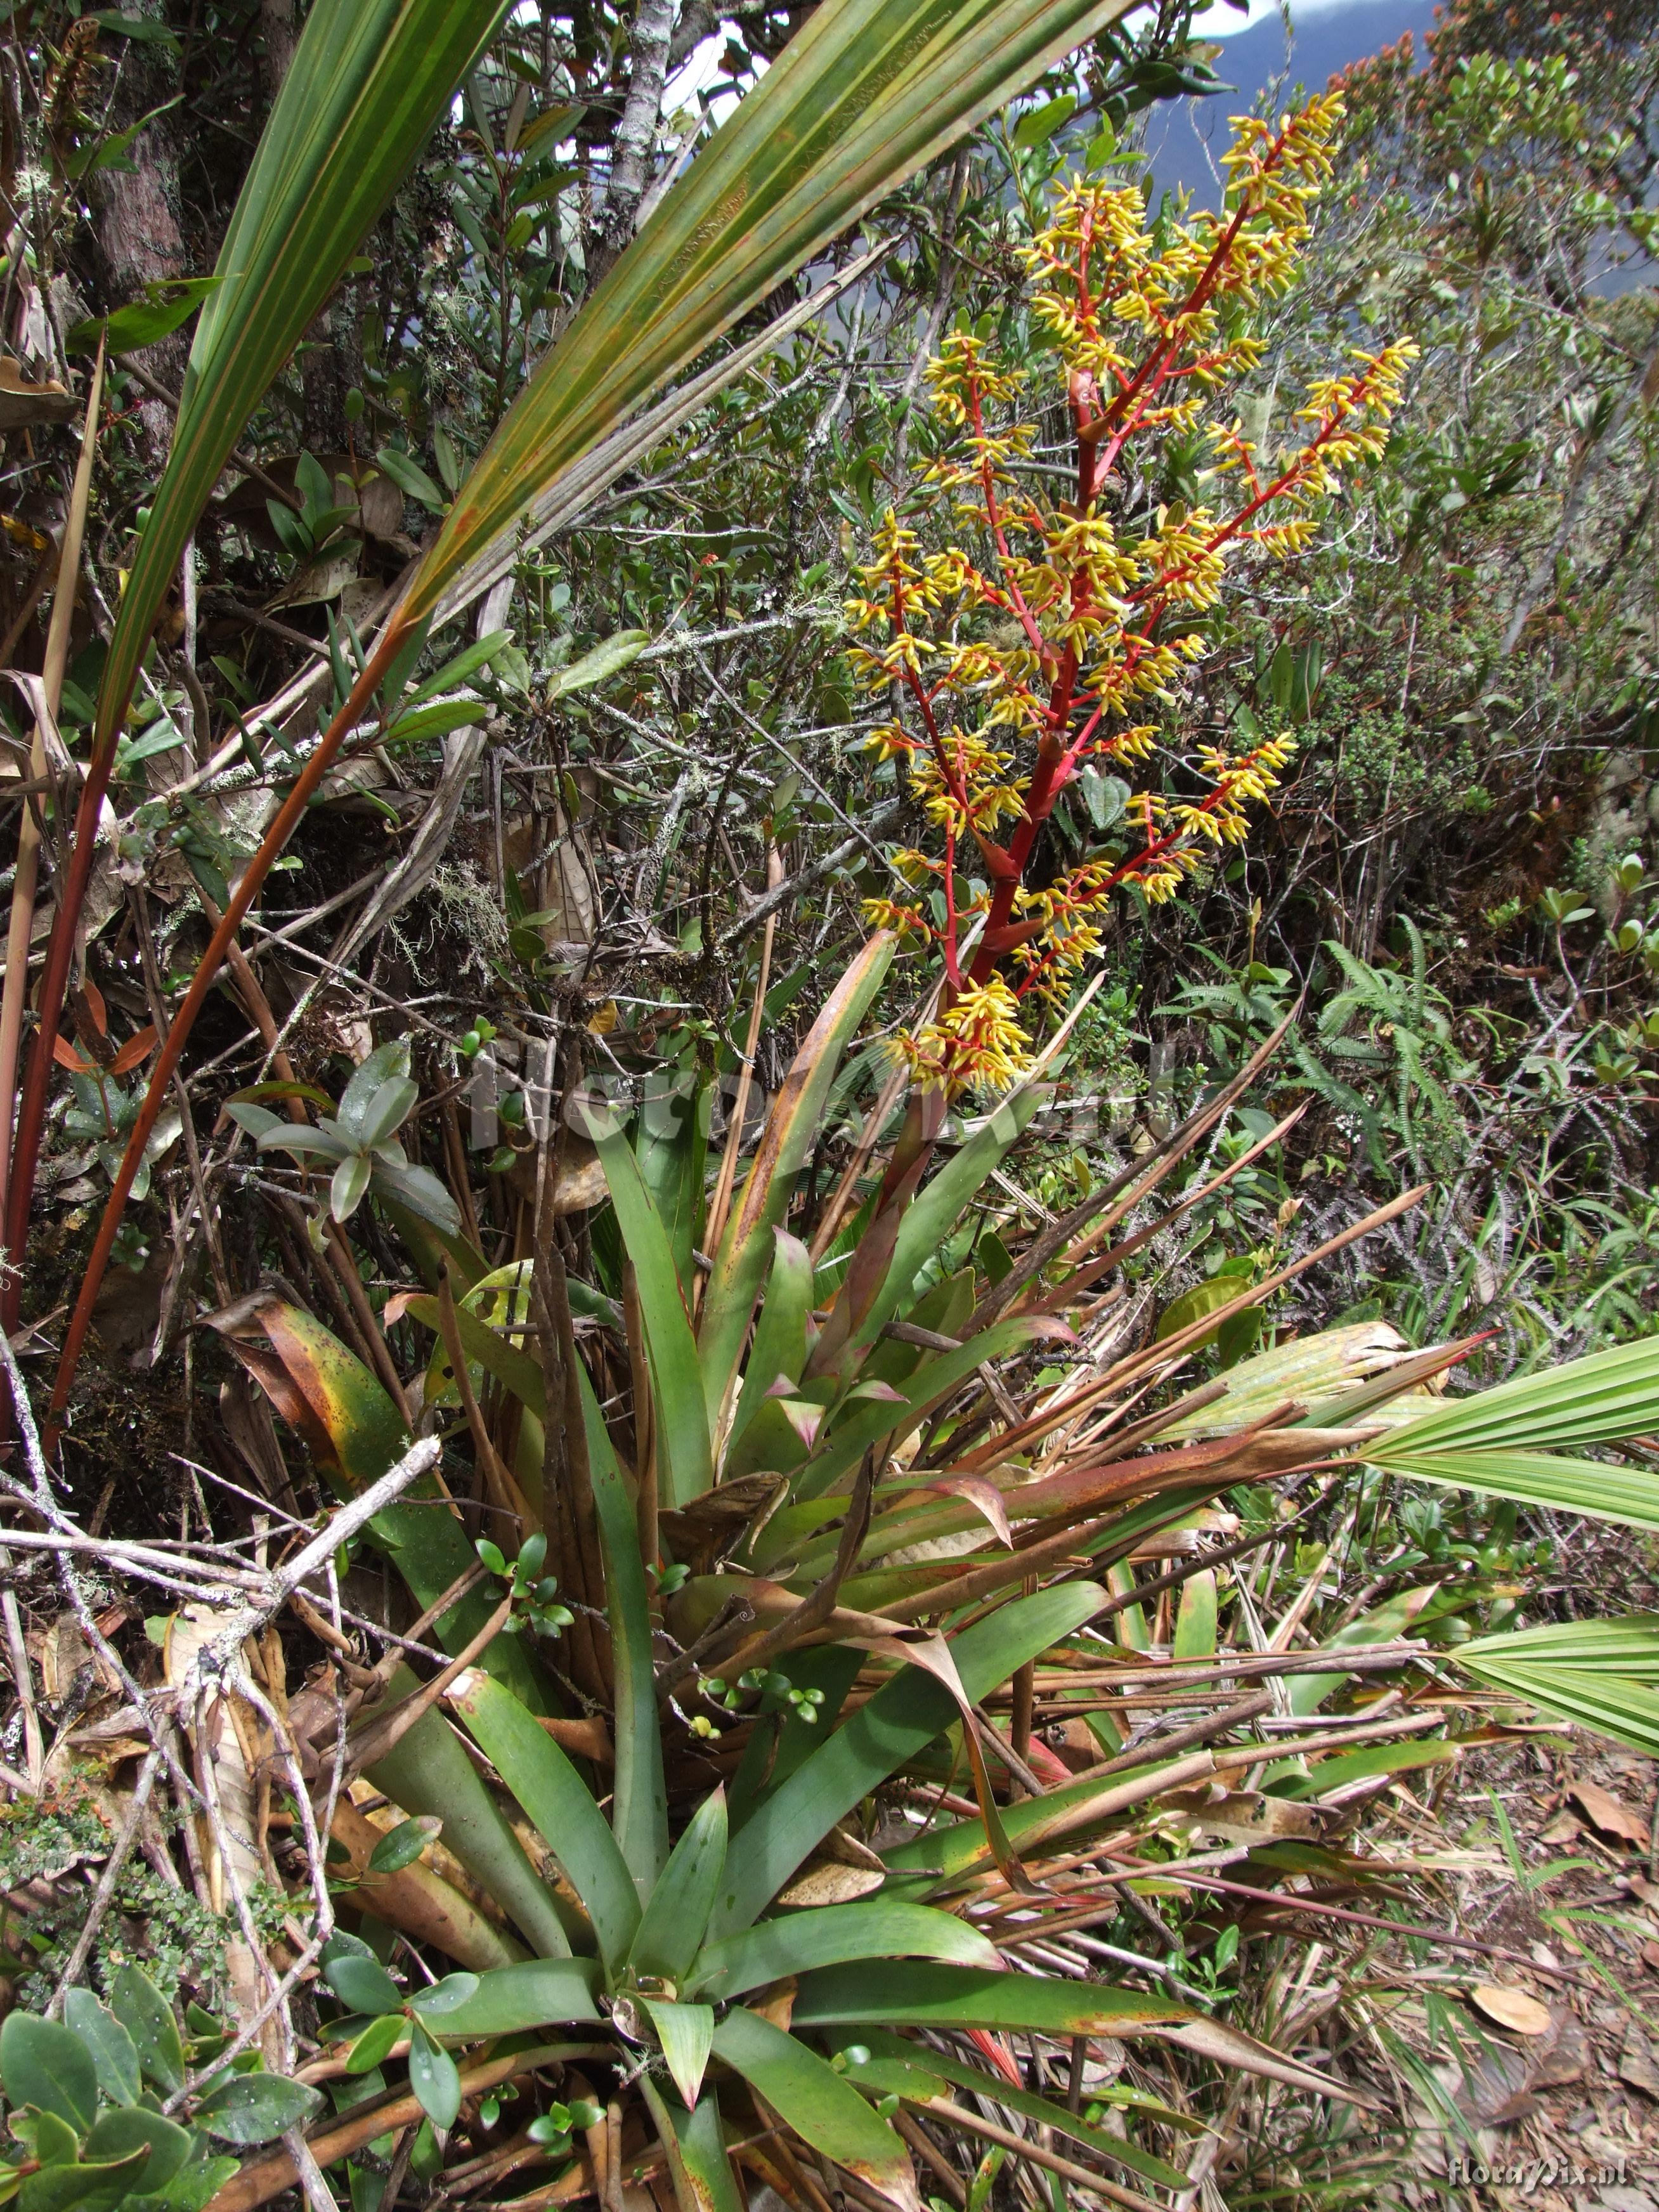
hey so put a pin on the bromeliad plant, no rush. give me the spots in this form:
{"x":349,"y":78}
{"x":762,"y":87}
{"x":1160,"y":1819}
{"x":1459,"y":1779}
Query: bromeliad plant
{"x":829,"y":1409}
{"x":774,"y":1473}
{"x":669,"y":1958}
{"x":795,"y":1557}
{"x":358,"y":1140}
{"x":1037,"y":650}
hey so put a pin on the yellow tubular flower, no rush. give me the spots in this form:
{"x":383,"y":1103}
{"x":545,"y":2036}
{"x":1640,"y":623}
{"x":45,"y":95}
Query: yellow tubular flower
{"x":915,"y":866}
{"x":892,"y":741}
{"x":889,"y":913}
{"x":978,"y":1043}
{"x":1032,"y":628}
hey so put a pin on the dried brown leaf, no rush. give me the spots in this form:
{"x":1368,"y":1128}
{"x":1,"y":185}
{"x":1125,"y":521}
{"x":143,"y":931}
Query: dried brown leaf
{"x":1609,"y":1815}
{"x":825,"y":1881}
{"x":1512,"y":2009}
{"x":1636,"y":2066}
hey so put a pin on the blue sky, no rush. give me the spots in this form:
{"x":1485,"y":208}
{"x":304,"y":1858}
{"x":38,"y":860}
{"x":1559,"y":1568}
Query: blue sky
{"x":1218,"y":22}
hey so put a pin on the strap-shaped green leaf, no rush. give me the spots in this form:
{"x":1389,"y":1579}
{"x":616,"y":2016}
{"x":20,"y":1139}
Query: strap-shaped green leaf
{"x":356,"y":1432}
{"x":917,"y":1993}
{"x":1195,"y":1622}
{"x":427,"y":1772}
{"x":674,"y":1919}
{"x":792,"y":1127}
{"x":1307,"y":1692}
{"x":1358,"y":1766}
{"x":818,"y":2103}
{"x":685,"y":2033}
{"x":640,"y":1810}
{"x":829,"y":1935}
{"x":685,"y":1459}
{"x":343,"y":1412}
{"x":940,"y":1205}
{"x":933,"y":1380}
{"x":780,"y":1345}
{"x":560,"y":1805}
{"x":781,"y":1742}
{"x":920,"y":2072}
{"x":947,"y":1853}
{"x":903,"y":1717}
{"x":671,"y":1140}
{"x":695,"y":2143}
{"x":536,"y":1993}
{"x":514,"y":1368}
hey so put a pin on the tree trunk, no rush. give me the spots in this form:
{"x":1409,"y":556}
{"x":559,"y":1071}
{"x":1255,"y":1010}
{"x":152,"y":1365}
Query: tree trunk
{"x":135,"y":215}
{"x":276,"y":27}
{"x":636,"y":141}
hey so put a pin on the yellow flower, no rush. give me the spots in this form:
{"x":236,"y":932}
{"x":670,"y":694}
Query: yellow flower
{"x":1044,"y":625}
{"x":890,"y":913}
{"x":977,"y":1043}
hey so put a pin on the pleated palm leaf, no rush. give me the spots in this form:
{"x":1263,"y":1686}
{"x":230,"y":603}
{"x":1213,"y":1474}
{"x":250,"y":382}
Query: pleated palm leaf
{"x":1530,"y":1440}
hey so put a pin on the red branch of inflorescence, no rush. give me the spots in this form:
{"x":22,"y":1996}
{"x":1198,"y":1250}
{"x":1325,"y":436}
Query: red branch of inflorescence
{"x":1067,"y":625}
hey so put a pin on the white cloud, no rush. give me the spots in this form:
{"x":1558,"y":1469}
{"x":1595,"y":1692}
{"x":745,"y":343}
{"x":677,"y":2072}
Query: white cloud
{"x":1221,"y":21}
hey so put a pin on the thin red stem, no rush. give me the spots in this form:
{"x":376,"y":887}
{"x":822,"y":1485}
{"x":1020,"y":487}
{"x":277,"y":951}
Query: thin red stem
{"x":37,"y":1074}
{"x":286,"y":820}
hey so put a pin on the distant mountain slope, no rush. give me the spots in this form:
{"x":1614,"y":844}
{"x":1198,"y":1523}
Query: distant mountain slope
{"x":1184,"y":137}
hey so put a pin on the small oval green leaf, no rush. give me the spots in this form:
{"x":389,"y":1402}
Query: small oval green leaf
{"x":55,"y":2188}
{"x":435,"y":2079}
{"x":148,"y":2018}
{"x":113,"y":2052}
{"x":128,"y":2129}
{"x":45,"y":2064}
{"x":254,"y":2107}
{"x":374,"y":2043}
{"x":447,"y":1995}
{"x":403,"y":1845}
{"x":362,"y":1984}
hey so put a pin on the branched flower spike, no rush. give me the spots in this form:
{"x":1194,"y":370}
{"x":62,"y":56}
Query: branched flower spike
{"x":1049,"y":635}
